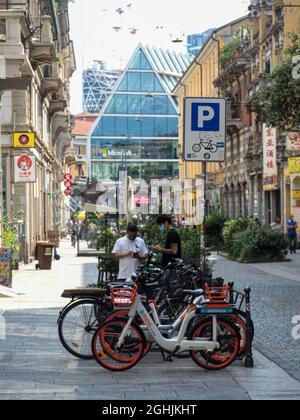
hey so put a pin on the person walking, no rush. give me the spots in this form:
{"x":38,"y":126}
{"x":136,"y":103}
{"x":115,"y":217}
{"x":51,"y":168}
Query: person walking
{"x":292,"y":227}
{"x":172,"y":249}
{"x":129,"y":251}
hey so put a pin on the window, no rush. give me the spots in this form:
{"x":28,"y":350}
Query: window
{"x":140,"y":62}
{"x":158,"y":86}
{"x":147,"y":80}
{"x":134,"y":127}
{"x":161,"y":127}
{"x":161,"y":105}
{"x":109,"y":126}
{"x":148,"y":127}
{"x":172,"y":127}
{"x":134,"y":82}
{"x":121,"y":127}
{"x":134,"y":104}
{"x":123,"y":85}
{"x":148,"y":105}
{"x":2,"y":30}
{"x":121,"y":104}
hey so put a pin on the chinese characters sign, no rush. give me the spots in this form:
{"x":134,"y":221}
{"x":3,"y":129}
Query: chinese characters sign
{"x":270,"y":159}
{"x":294,"y":165}
{"x":24,"y":169}
{"x":5,"y":267}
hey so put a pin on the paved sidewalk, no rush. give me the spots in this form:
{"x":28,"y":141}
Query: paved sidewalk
{"x":33,"y":364}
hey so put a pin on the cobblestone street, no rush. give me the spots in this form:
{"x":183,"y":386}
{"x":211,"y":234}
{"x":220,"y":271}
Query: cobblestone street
{"x":33,"y":364}
{"x":275,"y":301}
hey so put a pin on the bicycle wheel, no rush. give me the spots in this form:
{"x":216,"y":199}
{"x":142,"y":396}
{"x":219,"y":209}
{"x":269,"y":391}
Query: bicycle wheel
{"x":196,"y":148}
{"x":228,"y":338}
{"x":240,"y":322}
{"x":108,"y":355}
{"x":77,"y":325}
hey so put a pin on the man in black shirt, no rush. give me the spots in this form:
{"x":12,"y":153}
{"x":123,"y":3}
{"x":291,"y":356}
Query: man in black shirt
{"x":172,"y":250}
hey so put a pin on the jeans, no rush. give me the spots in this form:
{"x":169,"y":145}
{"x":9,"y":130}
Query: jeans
{"x":293,"y":242}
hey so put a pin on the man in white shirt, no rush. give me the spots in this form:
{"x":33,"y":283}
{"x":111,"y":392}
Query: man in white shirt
{"x":130,"y":251}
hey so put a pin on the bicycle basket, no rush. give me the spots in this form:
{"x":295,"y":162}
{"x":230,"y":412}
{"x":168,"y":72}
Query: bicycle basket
{"x":216,"y":294}
{"x":121,"y":296}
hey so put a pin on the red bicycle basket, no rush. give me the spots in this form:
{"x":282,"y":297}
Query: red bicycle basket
{"x":216,"y":294}
{"x":123,"y":297}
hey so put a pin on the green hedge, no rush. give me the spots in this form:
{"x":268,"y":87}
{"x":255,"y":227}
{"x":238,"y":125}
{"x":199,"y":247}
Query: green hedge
{"x":214,"y":225}
{"x":247,"y":241}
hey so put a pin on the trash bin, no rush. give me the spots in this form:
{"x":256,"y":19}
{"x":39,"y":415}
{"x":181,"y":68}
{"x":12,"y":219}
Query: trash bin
{"x":43,"y":253}
{"x":54,"y":237}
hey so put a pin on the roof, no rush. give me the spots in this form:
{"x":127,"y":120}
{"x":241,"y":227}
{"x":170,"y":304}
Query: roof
{"x":89,"y":115}
{"x":83,"y":127}
{"x":169,"y":65}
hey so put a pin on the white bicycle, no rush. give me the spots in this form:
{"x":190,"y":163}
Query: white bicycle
{"x":213,"y":342}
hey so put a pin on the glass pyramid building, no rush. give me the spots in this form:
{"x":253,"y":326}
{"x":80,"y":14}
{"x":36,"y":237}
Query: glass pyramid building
{"x":137,"y":128}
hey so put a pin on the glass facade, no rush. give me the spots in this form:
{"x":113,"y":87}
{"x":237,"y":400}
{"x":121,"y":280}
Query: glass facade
{"x":139,"y":125}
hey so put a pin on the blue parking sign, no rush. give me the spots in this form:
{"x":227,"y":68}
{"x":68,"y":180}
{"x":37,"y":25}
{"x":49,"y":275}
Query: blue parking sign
{"x":205,"y":129}
{"x":205,"y":117}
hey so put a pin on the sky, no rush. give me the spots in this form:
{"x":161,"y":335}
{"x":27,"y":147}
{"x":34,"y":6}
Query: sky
{"x":154,"y":23}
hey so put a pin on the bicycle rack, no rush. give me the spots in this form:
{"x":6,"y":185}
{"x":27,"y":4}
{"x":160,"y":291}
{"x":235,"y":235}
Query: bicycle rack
{"x":239,"y":300}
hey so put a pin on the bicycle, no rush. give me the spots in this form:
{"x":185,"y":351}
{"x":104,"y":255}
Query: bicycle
{"x":120,"y":344}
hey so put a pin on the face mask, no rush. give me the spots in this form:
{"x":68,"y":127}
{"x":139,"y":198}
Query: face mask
{"x":162,"y":229}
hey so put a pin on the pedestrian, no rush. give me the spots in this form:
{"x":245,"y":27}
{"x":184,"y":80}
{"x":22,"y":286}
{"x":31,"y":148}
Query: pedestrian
{"x":184,"y":223}
{"x":74,"y":233}
{"x":130,"y":251}
{"x":277,"y":225}
{"x":172,"y":249}
{"x":292,"y":227}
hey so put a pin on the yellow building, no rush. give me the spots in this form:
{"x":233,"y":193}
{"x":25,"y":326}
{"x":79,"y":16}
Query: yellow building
{"x":198,"y":82}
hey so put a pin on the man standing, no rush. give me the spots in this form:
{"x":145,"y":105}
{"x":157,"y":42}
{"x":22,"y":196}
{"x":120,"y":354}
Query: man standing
{"x":292,"y":234}
{"x":130,"y":251}
{"x":172,"y":249}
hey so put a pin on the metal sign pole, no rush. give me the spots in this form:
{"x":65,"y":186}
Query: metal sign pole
{"x":202,"y":236}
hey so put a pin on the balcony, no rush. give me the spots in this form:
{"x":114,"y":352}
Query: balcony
{"x":57,"y":105}
{"x":234,"y":117}
{"x":232,"y":72}
{"x":254,"y":88}
{"x":15,"y":83}
{"x":43,"y":49}
{"x":49,"y":86}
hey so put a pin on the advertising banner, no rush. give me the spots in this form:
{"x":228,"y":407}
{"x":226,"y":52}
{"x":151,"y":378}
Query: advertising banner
{"x":5,"y":267}
{"x":24,"y":169}
{"x":270,"y":159}
{"x":293,"y":142}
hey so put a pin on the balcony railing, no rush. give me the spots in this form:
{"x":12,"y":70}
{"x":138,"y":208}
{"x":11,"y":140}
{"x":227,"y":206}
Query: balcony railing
{"x":11,"y":5}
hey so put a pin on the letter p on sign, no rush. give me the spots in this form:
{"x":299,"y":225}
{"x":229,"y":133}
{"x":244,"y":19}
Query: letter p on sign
{"x":205,"y":117}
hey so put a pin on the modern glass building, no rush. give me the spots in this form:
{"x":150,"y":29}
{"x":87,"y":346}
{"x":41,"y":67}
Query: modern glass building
{"x":196,"y":41}
{"x":98,"y":83}
{"x":137,"y":128}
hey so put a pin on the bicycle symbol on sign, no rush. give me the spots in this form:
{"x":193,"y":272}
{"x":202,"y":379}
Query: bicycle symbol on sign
{"x":206,"y":144}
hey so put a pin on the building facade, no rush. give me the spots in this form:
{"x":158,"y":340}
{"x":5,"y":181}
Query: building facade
{"x":37,"y":60}
{"x":198,"y":81}
{"x":98,"y":83}
{"x":137,"y":128}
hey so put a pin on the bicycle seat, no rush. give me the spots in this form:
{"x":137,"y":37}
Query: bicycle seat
{"x":84,"y":293}
{"x":196,"y":293}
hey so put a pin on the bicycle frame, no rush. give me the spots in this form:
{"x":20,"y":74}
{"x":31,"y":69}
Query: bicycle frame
{"x":174,"y":345}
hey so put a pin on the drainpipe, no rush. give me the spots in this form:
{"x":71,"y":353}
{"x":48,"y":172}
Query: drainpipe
{"x":185,"y":94}
{"x":201,"y":75}
{"x":219,"y":58}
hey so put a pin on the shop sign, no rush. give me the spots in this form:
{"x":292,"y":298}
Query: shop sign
{"x":114,"y":154}
{"x":68,"y":191}
{"x":296,"y":195}
{"x":24,"y":169}
{"x":293,"y":142}
{"x":270,"y":159}
{"x":294,"y":165}
{"x":24,"y":140}
{"x":68,"y":177}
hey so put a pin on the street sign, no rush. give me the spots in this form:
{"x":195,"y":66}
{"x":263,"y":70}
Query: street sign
{"x":204,"y":130}
{"x":68,"y":184}
{"x":24,"y":169}
{"x":68,"y":177}
{"x":24,"y":140}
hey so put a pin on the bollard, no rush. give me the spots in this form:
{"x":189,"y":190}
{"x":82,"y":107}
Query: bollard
{"x":231,"y":293}
{"x":249,"y":362}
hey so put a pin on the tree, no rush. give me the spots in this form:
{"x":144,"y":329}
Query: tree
{"x":280,"y":99}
